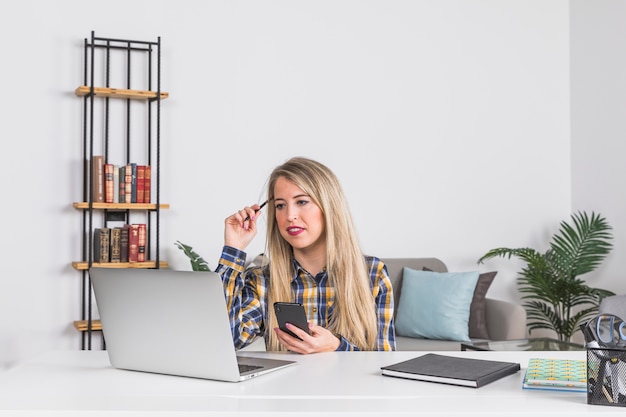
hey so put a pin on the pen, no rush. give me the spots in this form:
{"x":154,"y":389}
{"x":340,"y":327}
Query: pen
{"x":590,"y":339}
{"x":256,"y":211}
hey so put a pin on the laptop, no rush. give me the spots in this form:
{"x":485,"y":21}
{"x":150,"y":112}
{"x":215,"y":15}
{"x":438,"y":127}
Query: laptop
{"x":171,"y":322}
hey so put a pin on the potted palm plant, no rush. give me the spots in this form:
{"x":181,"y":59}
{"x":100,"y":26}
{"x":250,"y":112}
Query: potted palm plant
{"x":197,"y":262}
{"x":553,"y":294}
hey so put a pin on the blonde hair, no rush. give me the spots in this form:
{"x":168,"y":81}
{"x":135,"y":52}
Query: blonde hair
{"x":354,"y":314}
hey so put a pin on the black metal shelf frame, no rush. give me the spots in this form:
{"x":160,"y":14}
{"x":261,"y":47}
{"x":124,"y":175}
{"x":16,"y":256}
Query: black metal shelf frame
{"x":132,"y":48}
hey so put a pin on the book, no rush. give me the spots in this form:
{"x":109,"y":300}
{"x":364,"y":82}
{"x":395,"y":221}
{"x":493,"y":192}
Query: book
{"x":97,"y":179}
{"x":124,"y":243}
{"x":133,"y":183}
{"x":108,"y":183}
{"x":128,"y":183}
{"x":141,"y":242}
{"x":141,"y":183}
{"x":147,"y":184}
{"x":96,"y":244}
{"x":556,"y":374}
{"x":115,"y":249}
{"x":452,"y":370}
{"x":133,"y":242}
{"x":122,"y":184}
{"x":116,"y":183}
{"x":101,"y":245}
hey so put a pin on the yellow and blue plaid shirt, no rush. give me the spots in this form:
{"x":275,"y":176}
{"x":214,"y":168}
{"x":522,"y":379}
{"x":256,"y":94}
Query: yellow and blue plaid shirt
{"x":246,"y":298}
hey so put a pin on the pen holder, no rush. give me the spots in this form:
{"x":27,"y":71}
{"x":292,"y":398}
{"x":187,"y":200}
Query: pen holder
{"x":606,"y":376}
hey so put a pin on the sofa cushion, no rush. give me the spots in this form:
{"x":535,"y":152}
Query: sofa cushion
{"x":436,"y":305}
{"x":478,"y":309}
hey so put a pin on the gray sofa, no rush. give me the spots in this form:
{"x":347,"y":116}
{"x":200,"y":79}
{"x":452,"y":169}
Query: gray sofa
{"x":615,"y":305}
{"x":505,"y":320}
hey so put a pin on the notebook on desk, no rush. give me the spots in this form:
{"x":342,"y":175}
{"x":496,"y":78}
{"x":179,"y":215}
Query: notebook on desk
{"x":451,"y":370}
{"x":556,"y":374}
{"x":171,"y":322}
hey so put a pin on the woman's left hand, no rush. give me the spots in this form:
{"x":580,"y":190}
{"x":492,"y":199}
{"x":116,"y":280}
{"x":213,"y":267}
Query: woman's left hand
{"x":319,"y":339}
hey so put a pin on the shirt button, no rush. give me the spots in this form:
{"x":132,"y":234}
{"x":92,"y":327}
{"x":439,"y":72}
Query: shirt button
{"x":315,"y":309}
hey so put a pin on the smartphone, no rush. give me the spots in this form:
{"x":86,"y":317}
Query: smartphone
{"x":292,"y":313}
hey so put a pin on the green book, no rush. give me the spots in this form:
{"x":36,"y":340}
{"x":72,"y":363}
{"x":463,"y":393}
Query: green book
{"x":556,"y":374}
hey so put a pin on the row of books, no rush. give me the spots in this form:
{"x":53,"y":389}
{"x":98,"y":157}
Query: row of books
{"x":112,"y":183}
{"x":120,"y":244}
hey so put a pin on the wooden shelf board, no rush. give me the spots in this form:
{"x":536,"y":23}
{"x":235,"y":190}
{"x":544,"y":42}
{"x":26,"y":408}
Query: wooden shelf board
{"x":119,"y":206}
{"x":119,"y":93}
{"x":82,"y":266}
{"x":82,"y":325}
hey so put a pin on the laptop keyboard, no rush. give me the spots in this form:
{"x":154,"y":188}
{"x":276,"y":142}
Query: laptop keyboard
{"x":247,"y":368}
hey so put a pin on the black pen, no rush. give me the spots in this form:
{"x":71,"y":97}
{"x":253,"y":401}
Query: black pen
{"x":257,"y":210}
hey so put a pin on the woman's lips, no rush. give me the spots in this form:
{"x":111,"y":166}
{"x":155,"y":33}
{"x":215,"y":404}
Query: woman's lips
{"x":294,"y":231}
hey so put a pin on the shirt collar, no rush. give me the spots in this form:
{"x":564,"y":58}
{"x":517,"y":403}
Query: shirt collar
{"x":298,"y":270}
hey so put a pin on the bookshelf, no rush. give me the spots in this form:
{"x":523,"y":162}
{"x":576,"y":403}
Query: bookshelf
{"x":120,"y":206}
{"x":121,"y":115}
{"x":84,"y":90}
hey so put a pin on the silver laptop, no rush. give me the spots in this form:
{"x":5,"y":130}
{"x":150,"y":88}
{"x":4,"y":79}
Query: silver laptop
{"x":171,"y":322}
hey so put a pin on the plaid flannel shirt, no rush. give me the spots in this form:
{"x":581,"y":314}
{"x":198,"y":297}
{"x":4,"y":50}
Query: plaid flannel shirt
{"x":246,"y":298}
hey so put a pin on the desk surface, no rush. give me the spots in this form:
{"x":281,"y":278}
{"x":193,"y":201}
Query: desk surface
{"x":70,"y":383}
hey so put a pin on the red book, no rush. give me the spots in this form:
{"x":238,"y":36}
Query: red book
{"x":147,"y":184}
{"x":128,"y":184}
{"x":121,"y":186}
{"x":133,"y":242}
{"x":141,"y":246}
{"x":141,"y":183}
{"x":116,"y":183}
{"x":97,"y":176}
{"x":108,"y":183}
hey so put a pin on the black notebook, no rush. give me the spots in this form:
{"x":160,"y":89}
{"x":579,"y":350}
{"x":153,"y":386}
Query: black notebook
{"x":451,"y":370}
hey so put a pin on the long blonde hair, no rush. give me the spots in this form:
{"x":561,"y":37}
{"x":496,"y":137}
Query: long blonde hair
{"x":354,"y":314}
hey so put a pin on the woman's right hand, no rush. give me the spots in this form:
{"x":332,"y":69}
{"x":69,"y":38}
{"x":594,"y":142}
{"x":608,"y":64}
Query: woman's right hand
{"x":240,"y":227}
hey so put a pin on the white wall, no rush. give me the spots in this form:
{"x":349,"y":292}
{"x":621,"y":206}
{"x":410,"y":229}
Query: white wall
{"x":447,"y":122}
{"x":598,"y":123}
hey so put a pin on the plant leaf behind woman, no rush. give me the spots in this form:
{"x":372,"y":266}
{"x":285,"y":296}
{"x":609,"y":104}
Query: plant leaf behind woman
{"x":197,"y":262}
{"x":554,"y":296}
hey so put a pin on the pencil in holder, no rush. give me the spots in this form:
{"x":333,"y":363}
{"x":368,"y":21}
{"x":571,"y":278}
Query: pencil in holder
{"x":606,"y":376}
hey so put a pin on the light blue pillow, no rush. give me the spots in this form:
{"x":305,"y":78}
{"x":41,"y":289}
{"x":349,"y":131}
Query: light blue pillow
{"x":435,"y":305}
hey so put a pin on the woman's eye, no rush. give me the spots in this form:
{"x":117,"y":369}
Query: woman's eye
{"x":279,"y":206}
{"x":302,"y":202}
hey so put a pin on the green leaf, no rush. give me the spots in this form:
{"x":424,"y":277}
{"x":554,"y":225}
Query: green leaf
{"x":581,"y":248}
{"x":197,"y":262}
{"x":553,"y":295}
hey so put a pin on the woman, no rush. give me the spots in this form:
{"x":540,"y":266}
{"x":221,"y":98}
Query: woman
{"x":315,"y":260}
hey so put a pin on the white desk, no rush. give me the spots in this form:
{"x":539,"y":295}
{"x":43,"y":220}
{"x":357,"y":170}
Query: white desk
{"x":72,"y":383}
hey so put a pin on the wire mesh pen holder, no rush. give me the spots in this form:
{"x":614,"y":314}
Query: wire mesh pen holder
{"x":606,"y":376}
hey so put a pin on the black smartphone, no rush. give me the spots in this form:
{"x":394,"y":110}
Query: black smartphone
{"x":292,"y":313}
